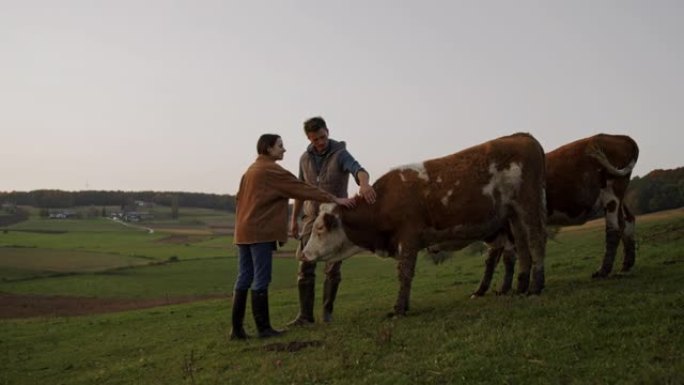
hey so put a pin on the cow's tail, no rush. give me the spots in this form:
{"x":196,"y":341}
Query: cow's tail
{"x":595,"y":152}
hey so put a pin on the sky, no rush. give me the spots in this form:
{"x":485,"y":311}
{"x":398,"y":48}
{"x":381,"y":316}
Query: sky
{"x":171,"y":95}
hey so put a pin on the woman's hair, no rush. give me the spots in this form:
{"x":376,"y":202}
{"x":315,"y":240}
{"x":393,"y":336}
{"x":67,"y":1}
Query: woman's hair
{"x":265,"y":141}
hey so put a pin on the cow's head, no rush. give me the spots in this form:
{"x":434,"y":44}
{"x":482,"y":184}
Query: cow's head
{"x":328,"y":241}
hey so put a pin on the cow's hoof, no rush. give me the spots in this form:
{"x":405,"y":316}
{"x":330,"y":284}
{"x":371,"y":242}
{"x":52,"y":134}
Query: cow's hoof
{"x":395,"y":315}
{"x":475,"y":295}
{"x":522,"y":289}
{"x":534,"y":292}
{"x":599,"y":274}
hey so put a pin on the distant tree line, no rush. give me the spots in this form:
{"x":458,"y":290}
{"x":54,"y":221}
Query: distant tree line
{"x":66,"y":199}
{"x":656,"y":191}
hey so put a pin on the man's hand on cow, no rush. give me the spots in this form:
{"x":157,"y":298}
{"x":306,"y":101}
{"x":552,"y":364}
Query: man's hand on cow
{"x":368,"y":193}
{"x":346,"y":202}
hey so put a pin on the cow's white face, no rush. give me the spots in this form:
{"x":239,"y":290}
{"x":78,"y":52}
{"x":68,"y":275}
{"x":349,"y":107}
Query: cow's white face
{"x":328,"y":242}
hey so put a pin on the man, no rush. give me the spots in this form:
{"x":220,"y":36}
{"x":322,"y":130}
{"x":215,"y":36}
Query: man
{"x":326,"y":164}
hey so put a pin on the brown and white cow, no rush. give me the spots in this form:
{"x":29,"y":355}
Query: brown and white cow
{"x":583,"y":178}
{"x":472,"y":195}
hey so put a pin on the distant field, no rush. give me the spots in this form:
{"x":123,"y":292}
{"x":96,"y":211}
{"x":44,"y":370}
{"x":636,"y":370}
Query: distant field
{"x":197,"y":234}
{"x":124,"y":242}
{"x":41,"y":225}
{"x":44,"y":262}
{"x":627,"y":329}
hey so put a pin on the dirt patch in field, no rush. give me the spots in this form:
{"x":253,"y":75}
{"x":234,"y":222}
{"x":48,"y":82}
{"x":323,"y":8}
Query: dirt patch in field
{"x":26,"y":306}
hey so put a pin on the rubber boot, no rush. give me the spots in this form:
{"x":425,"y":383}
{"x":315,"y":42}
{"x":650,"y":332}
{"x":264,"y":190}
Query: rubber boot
{"x":329,"y":293}
{"x":262,"y":318}
{"x":239,"y":305}
{"x":306,"y":303}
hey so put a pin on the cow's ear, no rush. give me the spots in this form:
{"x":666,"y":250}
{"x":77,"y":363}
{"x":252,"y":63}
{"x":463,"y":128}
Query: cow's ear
{"x":330,"y":221}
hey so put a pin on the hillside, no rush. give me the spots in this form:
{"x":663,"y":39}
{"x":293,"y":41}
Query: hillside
{"x":625,"y":329}
{"x":656,"y":191}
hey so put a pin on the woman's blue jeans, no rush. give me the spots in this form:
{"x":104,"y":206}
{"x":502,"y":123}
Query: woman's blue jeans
{"x":254,"y":266}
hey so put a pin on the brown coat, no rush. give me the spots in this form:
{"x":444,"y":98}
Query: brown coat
{"x":261,"y":212}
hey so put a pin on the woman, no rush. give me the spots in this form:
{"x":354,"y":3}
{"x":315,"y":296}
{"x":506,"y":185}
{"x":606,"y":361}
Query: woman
{"x":260,"y":224}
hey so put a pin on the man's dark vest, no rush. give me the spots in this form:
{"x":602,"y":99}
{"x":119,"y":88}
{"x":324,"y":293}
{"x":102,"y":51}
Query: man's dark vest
{"x":331,"y":177}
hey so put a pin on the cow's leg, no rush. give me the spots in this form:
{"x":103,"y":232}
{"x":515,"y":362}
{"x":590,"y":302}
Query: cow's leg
{"x":628,"y":241}
{"x":529,"y":233}
{"x":493,"y":256}
{"x":613,"y":232}
{"x":537,"y":243}
{"x":509,"y":265}
{"x":524,"y":258}
{"x":405,"y":269}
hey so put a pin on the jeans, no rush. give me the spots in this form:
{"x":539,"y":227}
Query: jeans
{"x":254,"y":266}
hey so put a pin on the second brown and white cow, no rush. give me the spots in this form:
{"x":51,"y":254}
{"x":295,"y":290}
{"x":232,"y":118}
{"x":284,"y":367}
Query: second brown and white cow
{"x":469,"y":196}
{"x":583,"y":178}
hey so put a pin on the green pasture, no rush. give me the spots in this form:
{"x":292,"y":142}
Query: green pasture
{"x":101,"y":235}
{"x":125,"y":242}
{"x":27,"y":262}
{"x":44,"y":225}
{"x":627,"y":329}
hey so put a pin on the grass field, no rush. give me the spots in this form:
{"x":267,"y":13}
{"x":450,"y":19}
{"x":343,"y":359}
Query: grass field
{"x":627,"y":329}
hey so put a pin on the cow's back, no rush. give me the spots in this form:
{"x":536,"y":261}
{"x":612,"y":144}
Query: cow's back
{"x":453,"y":190}
{"x":574,"y":178}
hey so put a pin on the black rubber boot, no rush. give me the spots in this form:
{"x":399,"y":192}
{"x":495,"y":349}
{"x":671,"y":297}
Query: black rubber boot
{"x":261,"y":315}
{"x":306,"y":302}
{"x":329,"y":293}
{"x":239,"y":305}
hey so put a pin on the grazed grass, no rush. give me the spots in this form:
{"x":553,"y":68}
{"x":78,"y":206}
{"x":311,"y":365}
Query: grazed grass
{"x":628,"y":329}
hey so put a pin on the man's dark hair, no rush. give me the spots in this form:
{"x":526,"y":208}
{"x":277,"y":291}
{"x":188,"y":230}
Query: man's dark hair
{"x":265,"y":141}
{"x":314,"y":124}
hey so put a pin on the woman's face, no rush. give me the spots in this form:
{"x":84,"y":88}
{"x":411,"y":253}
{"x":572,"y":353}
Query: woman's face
{"x":277,"y":151}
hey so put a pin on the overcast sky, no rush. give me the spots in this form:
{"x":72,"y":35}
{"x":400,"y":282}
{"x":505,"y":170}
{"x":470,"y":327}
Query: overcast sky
{"x":172,"y":95}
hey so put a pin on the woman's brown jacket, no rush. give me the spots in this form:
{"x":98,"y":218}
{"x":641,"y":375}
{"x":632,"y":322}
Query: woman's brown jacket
{"x":262,"y":201}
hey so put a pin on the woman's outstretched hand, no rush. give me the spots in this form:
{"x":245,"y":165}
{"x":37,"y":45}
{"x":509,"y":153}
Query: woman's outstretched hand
{"x":346,"y":202}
